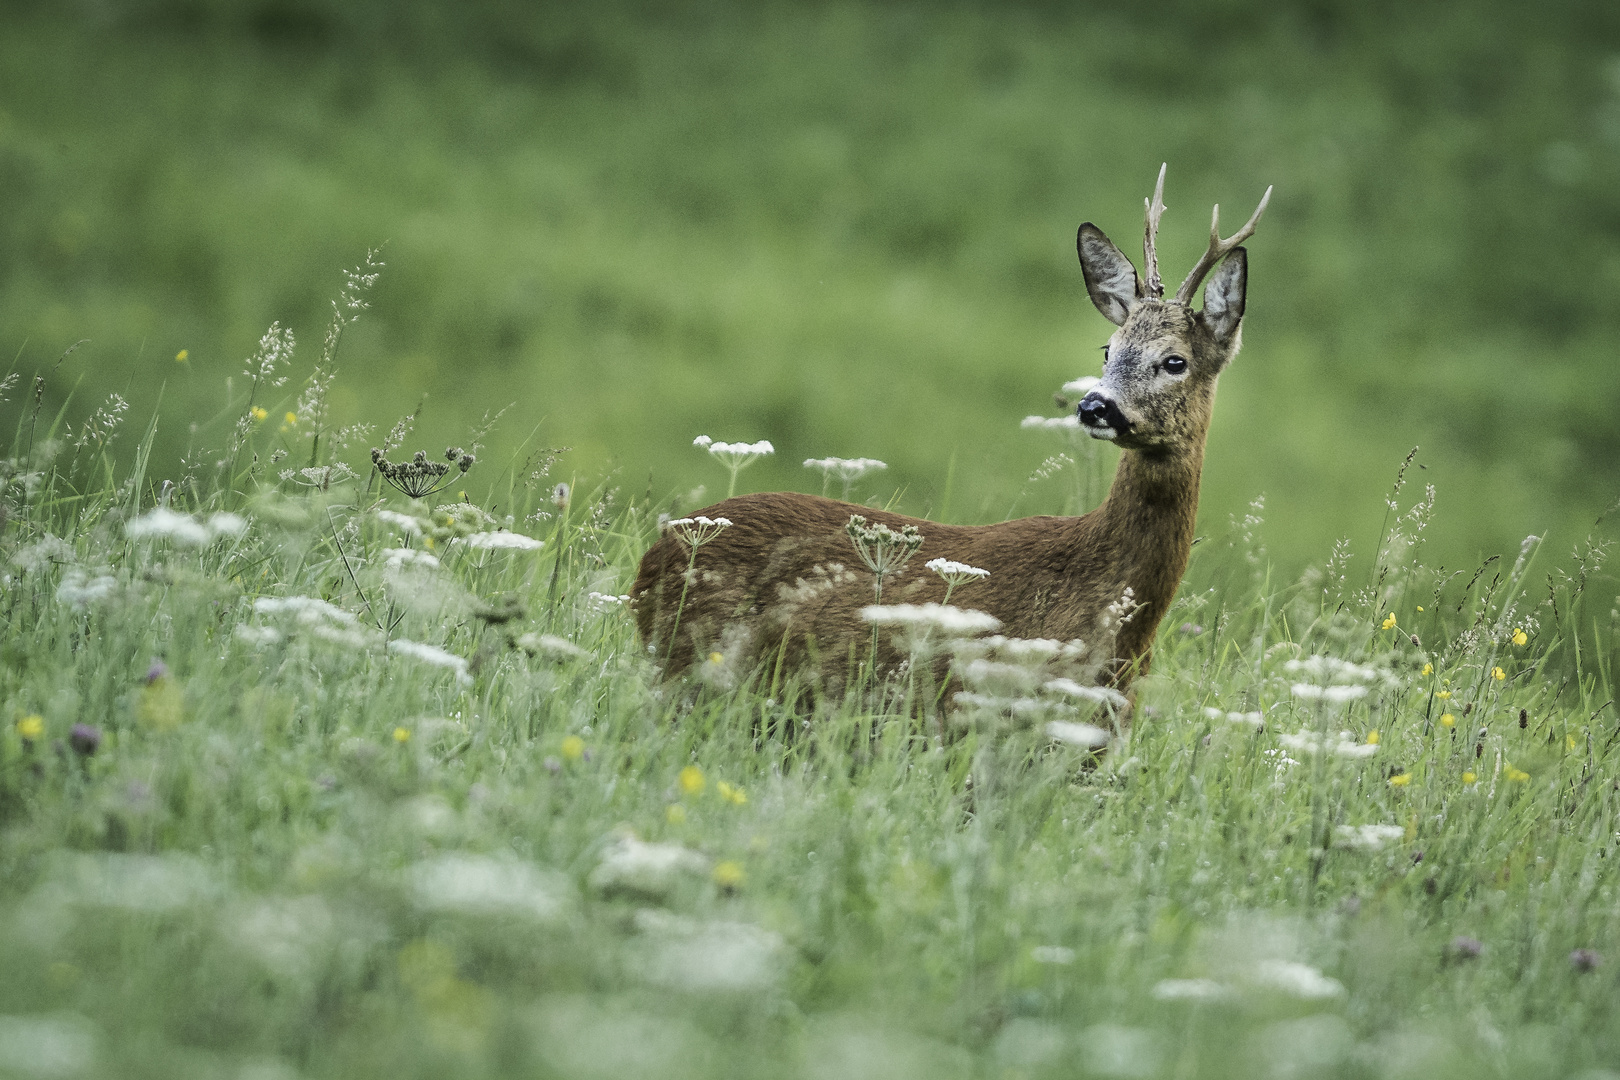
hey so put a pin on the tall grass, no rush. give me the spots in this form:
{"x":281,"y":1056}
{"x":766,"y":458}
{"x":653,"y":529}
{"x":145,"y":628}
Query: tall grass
{"x":299,"y":776}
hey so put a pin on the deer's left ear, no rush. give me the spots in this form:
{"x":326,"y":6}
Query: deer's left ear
{"x":1224,"y":295}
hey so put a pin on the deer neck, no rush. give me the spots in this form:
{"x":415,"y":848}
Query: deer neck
{"x":1147,"y":520}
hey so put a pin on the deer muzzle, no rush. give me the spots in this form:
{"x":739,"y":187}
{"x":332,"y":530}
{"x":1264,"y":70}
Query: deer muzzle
{"x":1101,"y":417}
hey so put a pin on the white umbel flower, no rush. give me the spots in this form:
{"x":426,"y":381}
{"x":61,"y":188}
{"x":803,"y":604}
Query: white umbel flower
{"x":1050,"y":423}
{"x":503,"y":540}
{"x":431,"y":654}
{"x":1085,"y":736}
{"x":649,"y":870}
{"x":1367,"y":837}
{"x":942,"y":617}
{"x":1332,"y":695}
{"x":161,"y":523}
{"x":1344,"y":745}
{"x":308,"y":609}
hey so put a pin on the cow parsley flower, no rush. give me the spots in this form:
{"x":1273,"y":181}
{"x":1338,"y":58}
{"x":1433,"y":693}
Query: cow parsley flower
{"x":503,"y":540}
{"x":735,"y":456}
{"x":1085,"y":736}
{"x":395,"y":558}
{"x":431,"y":654}
{"x":405,"y":523}
{"x":79,"y":590}
{"x":1367,"y":837}
{"x":161,"y":523}
{"x":885,"y":551}
{"x":1344,"y":745}
{"x":694,"y":532}
{"x":941,"y":617}
{"x":848,"y":470}
{"x":1332,"y":695}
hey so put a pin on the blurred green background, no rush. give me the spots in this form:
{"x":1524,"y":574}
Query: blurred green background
{"x":844,"y":227}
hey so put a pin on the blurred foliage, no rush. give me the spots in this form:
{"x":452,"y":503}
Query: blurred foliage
{"x":845,"y":228}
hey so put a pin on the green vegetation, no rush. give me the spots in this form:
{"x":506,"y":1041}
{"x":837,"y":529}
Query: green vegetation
{"x":306,"y":778}
{"x":846,"y":228}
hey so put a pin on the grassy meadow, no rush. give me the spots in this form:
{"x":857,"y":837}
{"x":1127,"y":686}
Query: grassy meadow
{"x":306,"y":775}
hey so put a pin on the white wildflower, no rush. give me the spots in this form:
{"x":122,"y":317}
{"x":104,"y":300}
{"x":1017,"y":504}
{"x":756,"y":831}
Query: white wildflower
{"x":1330,"y":669}
{"x":606,"y":601}
{"x":1367,"y":837}
{"x":162,"y":523}
{"x":648,"y":870}
{"x":1297,"y":980}
{"x":942,"y":617}
{"x":130,"y":882}
{"x":79,"y":590}
{"x":1191,"y":990}
{"x":43,"y":552}
{"x":551,"y":646}
{"x":949,"y":568}
{"x":431,"y":654}
{"x":1255,"y":720}
{"x":1079,"y":388}
{"x":482,"y":885}
{"x":1085,"y":736}
{"x":226,"y":524}
{"x":307,"y":609}
{"x":715,"y":956}
{"x":503,"y":540}
{"x":1102,"y":695}
{"x":1345,"y":745}
{"x":847,"y":470}
{"x":1051,"y":423}
{"x":257,"y":636}
{"x":697,"y":531}
{"x":729,"y":452}
{"x":395,"y":558}
{"x":1332,"y":695}
{"x":405,"y":523}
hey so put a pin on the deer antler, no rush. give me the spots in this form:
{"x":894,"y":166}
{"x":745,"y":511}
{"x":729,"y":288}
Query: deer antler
{"x":1150,"y":238}
{"x":1218,"y":249}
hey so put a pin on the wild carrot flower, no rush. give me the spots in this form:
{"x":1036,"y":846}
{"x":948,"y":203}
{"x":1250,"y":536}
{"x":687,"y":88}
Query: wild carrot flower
{"x":955,"y":573}
{"x":503,"y":540}
{"x":884,"y":550}
{"x":1367,"y":837}
{"x":419,"y":477}
{"x":573,"y":748}
{"x":1519,"y":636}
{"x":691,"y":780}
{"x":31,"y":727}
{"x":735,"y":456}
{"x":942,"y":617}
{"x":694,"y":532}
{"x":847,"y":470}
{"x":431,"y":654}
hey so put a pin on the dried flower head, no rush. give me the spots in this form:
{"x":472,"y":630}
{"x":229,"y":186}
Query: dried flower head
{"x":885,"y":551}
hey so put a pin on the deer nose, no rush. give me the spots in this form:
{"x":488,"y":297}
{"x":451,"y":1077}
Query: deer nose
{"x":1094,"y":410}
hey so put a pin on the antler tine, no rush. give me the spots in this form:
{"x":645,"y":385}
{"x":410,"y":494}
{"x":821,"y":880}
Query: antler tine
{"x":1218,"y":248}
{"x":1150,"y":237}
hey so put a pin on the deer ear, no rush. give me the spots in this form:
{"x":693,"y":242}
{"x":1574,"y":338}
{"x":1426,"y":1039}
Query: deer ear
{"x":1110,"y":278}
{"x":1224,"y":295}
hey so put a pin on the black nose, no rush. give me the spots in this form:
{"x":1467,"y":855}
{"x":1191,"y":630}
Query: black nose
{"x":1094,"y":410}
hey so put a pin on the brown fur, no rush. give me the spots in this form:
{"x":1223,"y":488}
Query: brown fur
{"x":785,"y":584}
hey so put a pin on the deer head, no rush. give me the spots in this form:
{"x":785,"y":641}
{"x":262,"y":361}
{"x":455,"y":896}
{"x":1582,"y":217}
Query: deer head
{"x":1158,"y":381}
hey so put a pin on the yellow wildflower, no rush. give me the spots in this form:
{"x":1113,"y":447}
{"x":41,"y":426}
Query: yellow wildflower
{"x":675,"y":814}
{"x":716,"y":658}
{"x":1517,"y":776}
{"x":31,"y":727}
{"x":729,"y":874}
{"x":259,"y":414}
{"x":1498,"y":674}
{"x":1447,"y":720}
{"x":732,"y":795}
{"x":1443,"y":695}
{"x":291,"y":419}
{"x":573,"y":748}
{"x":1420,"y":607}
{"x":692,"y":780}
{"x":1569,"y":742}
{"x":1519,"y":636}
{"x":1372,"y":737}
{"x":1389,"y":622}
{"x":1469,"y":778}
{"x":1400,"y":779}
{"x":182,"y":356}
{"x":402,"y":735}
{"x":1428,"y":669}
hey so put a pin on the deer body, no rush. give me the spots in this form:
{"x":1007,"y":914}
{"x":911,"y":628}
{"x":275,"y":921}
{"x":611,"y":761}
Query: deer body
{"x":784,"y":583}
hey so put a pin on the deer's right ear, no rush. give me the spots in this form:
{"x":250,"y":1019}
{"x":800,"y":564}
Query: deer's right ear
{"x":1110,"y":278}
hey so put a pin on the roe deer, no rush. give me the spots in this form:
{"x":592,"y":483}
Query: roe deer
{"x":783,"y":582}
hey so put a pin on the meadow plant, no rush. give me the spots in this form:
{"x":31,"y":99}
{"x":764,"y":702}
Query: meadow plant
{"x":735,"y":456}
{"x":847,"y":470}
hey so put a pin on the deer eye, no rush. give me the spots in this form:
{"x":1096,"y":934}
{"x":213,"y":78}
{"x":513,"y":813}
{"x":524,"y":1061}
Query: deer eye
{"x":1175,"y":365}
